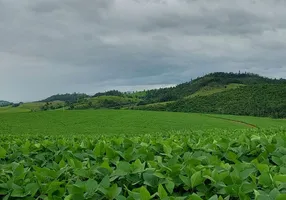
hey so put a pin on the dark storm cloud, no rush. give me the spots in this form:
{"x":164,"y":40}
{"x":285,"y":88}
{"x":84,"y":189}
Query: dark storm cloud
{"x":50,"y":46}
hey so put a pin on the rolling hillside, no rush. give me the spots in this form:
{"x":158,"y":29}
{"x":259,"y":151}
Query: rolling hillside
{"x":268,"y":100}
{"x":220,"y":93}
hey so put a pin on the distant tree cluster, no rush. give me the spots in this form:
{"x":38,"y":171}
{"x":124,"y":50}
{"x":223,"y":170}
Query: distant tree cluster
{"x":66,"y":97}
{"x":5,"y":103}
{"x":109,"y":93}
{"x":51,"y":106}
{"x":16,"y":104}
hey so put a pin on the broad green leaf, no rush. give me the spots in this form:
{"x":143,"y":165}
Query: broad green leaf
{"x":2,"y":152}
{"x":215,"y":197}
{"x":186,"y":181}
{"x":196,"y":179}
{"x":263,"y":168}
{"x":194,"y":197}
{"x":18,"y":193}
{"x":281,"y":197}
{"x":144,"y":194}
{"x":62,"y":164}
{"x":265,"y":179}
{"x":105,"y":183}
{"x":162,"y":192}
{"x":138,"y":167}
{"x":19,"y":170}
{"x":274,"y":193}
{"x":280,"y":178}
{"x":150,"y":179}
{"x":247,"y":188}
{"x":170,"y":187}
{"x":105,"y":165}
{"x":246,"y":173}
{"x":31,"y":189}
{"x":91,"y":187}
{"x":113,"y":191}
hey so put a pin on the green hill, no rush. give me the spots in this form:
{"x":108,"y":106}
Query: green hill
{"x":222,"y":93}
{"x":65,"y":97}
{"x":267,"y":100}
{"x":210,"y":81}
{"x":114,"y":102}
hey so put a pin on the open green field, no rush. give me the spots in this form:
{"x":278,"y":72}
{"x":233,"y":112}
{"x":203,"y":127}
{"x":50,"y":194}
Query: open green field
{"x":119,"y":122}
{"x":28,"y":107}
{"x":140,"y":155}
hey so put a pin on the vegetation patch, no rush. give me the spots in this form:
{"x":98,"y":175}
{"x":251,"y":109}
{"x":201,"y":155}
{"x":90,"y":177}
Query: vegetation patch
{"x":213,"y":164}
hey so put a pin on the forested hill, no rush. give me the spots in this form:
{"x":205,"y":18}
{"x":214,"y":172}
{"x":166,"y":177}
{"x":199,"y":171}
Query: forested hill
{"x":65,"y":97}
{"x":227,"y":93}
{"x":265,"y":100}
{"x":210,"y":81}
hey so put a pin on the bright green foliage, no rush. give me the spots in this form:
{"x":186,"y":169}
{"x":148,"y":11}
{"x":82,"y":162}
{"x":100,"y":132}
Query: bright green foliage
{"x":212,"y":164}
{"x":108,"y":122}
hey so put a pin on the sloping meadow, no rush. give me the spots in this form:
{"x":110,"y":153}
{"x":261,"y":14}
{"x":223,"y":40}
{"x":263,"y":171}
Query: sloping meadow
{"x":213,"y":164}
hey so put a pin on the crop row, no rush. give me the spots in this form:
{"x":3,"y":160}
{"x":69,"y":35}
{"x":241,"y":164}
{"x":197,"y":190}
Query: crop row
{"x":199,"y":165}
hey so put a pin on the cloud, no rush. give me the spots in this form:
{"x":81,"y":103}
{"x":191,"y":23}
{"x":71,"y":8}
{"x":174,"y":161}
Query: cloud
{"x":50,"y":46}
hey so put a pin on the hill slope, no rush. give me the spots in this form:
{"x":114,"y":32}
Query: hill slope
{"x":226,"y":93}
{"x":267,"y":100}
{"x":212,"y":80}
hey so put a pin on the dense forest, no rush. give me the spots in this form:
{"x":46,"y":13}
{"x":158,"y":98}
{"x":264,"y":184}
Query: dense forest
{"x":225,"y":93}
{"x":211,"y":80}
{"x":267,"y":100}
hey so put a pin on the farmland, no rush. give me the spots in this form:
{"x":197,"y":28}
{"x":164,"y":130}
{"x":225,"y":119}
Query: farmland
{"x":123,"y":154}
{"x":119,"y":121}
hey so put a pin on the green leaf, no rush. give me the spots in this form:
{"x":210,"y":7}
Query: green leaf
{"x":246,"y":173}
{"x":105,"y":165}
{"x":194,"y":197}
{"x":105,"y":183}
{"x":274,"y":193}
{"x":32,"y":189}
{"x":170,"y":186}
{"x":138,"y":167}
{"x":186,"y":180}
{"x":144,"y":194}
{"x":19,"y":170}
{"x":113,"y":191}
{"x":247,"y":188}
{"x":215,"y":197}
{"x":263,"y":168}
{"x":62,"y":164}
{"x":2,"y":152}
{"x":196,"y":179}
{"x":162,"y":192}
{"x":280,"y":178}
{"x":91,"y":187}
{"x":99,"y":149}
{"x":18,"y":193}
{"x":265,"y":180}
{"x":150,"y":179}
{"x":281,"y":197}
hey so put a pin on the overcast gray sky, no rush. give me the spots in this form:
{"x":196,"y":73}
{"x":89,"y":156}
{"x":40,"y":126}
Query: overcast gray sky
{"x":59,"y":46}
